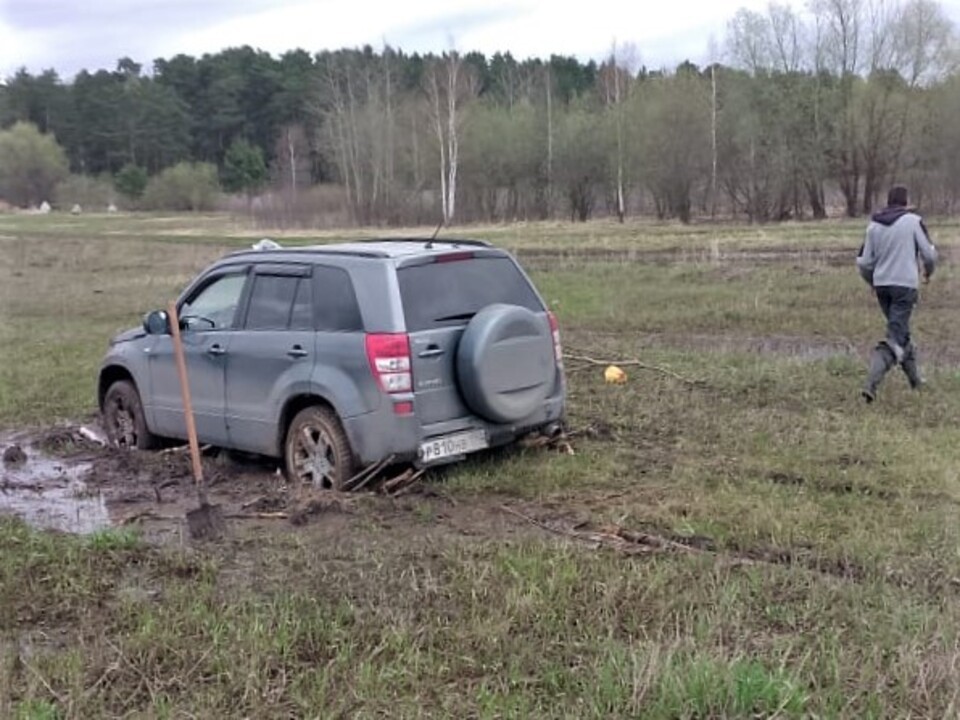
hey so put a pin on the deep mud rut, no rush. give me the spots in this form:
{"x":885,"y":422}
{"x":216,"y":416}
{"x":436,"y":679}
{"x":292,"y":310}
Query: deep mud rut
{"x":71,"y":483}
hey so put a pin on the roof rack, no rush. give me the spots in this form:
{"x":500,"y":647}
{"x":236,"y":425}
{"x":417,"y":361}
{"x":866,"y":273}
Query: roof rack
{"x":443,"y":240}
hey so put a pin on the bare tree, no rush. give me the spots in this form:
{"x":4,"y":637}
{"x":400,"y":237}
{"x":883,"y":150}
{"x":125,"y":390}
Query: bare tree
{"x":449,"y":86}
{"x":549,"y":190}
{"x":615,"y":82}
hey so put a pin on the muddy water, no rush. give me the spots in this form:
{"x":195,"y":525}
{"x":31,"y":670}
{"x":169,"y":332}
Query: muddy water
{"x":50,"y":493}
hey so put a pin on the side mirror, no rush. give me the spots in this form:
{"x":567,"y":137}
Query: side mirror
{"x":157,"y":323}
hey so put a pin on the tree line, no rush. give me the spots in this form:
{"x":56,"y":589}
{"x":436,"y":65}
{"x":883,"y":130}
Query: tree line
{"x":796,"y":115}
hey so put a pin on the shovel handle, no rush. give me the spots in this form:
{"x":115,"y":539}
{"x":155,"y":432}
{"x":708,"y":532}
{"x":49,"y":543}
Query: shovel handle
{"x":185,"y":393}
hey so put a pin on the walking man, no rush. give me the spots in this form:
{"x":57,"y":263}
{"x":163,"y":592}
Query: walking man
{"x":896,"y":250}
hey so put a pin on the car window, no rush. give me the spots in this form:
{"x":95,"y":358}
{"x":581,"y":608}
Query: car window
{"x":447,"y":293}
{"x":214,"y":307}
{"x":336,"y":301}
{"x":271,"y":302}
{"x":301,"y":316}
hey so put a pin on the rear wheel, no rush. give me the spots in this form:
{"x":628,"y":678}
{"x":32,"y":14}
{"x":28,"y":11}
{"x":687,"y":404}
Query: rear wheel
{"x":316,"y":451}
{"x":123,"y":418}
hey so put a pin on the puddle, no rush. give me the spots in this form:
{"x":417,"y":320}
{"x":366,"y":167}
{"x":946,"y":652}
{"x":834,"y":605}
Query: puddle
{"x":49,"y":493}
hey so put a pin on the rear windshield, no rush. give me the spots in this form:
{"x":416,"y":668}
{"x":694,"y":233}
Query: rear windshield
{"x":450,"y":293}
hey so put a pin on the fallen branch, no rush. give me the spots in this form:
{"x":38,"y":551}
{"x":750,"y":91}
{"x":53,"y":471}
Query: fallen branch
{"x":362,"y":478}
{"x":403,"y":482}
{"x":633,"y":363}
{"x":258,"y":516}
{"x":615,"y":537}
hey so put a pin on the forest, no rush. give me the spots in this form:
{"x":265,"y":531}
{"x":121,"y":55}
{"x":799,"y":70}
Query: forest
{"x":797,"y":115}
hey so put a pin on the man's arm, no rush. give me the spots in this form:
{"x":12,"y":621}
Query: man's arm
{"x":926,"y":250}
{"x":866,"y":260}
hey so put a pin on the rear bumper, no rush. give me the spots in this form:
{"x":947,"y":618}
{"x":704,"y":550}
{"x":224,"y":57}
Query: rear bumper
{"x":381,"y":434}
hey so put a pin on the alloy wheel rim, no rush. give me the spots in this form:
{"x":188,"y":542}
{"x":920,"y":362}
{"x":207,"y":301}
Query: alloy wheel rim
{"x":314,"y":459}
{"x":124,"y":425}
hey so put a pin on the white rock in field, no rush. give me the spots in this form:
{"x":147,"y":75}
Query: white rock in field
{"x":266,"y":244}
{"x":111,"y":208}
{"x":76,"y":209}
{"x":44,"y":207}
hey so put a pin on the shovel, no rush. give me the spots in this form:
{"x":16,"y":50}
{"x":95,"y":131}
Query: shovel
{"x":205,"y":521}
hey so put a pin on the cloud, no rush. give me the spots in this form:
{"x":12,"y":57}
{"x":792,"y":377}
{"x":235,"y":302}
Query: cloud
{"x":70,"y":35}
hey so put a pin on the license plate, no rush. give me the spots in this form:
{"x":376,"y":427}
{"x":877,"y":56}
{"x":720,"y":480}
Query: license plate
{"x":453,"y":445}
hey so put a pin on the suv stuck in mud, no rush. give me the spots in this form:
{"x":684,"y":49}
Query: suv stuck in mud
{"x":335,"y":357}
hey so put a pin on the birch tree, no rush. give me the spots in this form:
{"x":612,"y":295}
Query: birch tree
{"x":449,"y":86}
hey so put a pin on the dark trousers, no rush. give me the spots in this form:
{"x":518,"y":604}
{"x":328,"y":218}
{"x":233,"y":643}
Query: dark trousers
{"x":897,"y":305}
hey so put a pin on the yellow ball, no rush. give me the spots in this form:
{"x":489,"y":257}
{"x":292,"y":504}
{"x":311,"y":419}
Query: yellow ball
{"x":614,"y":375}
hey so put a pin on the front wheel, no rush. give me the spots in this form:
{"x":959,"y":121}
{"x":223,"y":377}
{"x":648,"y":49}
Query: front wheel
{"x":317,"y":452}
{"x":123,"y":418}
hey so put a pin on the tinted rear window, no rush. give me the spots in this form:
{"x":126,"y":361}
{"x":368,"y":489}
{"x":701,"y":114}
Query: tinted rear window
{"x":443,"y":294}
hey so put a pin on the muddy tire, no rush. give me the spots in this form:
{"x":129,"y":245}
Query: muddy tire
{"x":316,"y":451}
{"x":123,"y":418}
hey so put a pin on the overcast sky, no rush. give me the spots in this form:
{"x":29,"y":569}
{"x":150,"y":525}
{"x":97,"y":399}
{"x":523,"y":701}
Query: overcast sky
{"x":69,"y":34}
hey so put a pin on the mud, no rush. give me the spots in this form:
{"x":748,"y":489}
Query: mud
{"x":72,"y":483}
{"x":48,"y":492}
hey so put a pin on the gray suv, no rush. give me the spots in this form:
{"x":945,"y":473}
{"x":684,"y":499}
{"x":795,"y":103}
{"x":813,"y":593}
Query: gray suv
{"x":338,"y":356}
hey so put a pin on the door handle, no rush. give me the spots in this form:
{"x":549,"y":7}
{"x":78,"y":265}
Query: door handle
{"x":297,"y":351}
{"x":431,"y":351}
{"x":216,"y":350}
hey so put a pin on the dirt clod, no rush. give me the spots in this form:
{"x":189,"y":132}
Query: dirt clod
{"x":14,"y":455}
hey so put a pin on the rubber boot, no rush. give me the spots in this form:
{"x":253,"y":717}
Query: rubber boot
{"x":881,"y":360}
{"x":911,"y":368}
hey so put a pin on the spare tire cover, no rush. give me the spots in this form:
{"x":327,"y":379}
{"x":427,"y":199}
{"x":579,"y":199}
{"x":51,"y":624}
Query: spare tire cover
{"x":505,"y":363}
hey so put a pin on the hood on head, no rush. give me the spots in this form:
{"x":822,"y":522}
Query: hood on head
{"x":889,"y":215}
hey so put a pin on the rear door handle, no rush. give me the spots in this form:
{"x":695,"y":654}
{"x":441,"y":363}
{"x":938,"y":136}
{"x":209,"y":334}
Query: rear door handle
{"x":431,"y":351}
{"x":297,"y":351}
{"x":216,"y":350}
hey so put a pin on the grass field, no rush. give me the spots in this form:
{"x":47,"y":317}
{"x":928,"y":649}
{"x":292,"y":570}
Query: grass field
{"x":813,"y":562}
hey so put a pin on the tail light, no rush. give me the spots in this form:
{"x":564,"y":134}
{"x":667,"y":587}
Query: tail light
{"x":557,"y":347}
{"x":389,"y":356}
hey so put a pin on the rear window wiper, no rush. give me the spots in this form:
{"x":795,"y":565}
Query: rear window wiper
{"x":457,"y":316}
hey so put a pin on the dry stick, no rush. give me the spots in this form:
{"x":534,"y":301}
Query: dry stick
{"x":403,"y":482}
{"x":630,"y":542}
{"x":258,"y":516}
{"x":542,"y":525}
{"x":396,"y":482}
{"x":633,"y":363}
{"x":359,"y":480}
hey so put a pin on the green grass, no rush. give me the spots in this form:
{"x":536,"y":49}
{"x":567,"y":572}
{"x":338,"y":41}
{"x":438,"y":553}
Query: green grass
{"x":823,"y":572}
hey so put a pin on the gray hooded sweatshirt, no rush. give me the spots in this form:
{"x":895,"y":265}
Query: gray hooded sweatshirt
{"x":897,"y":241}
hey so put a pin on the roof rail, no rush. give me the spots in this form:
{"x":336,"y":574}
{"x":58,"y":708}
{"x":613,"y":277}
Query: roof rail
{"x":443,"y":240}
{"x":314,"y":249}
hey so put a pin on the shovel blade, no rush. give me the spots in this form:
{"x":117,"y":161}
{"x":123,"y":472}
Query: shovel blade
{"x":206,"y":522}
